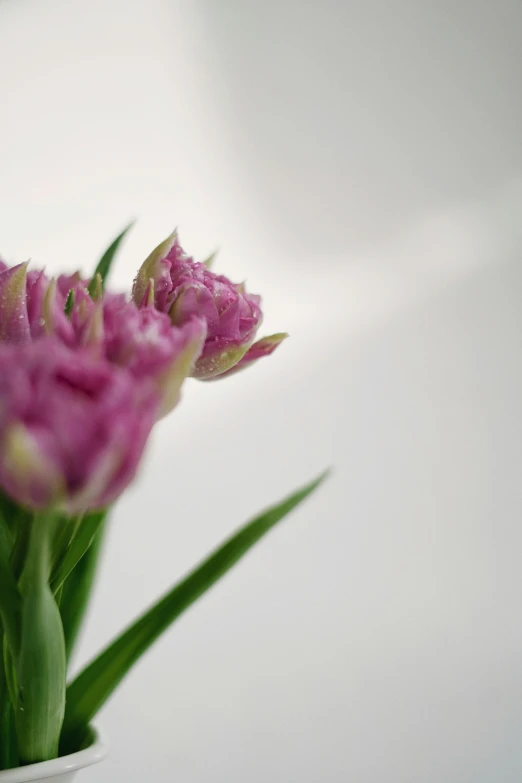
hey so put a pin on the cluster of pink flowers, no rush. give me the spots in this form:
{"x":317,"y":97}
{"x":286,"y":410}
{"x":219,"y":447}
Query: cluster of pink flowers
{"x":85,"y":373}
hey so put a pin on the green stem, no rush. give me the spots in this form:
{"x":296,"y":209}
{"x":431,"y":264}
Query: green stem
{"x":37,"y":567}
{"x":40,"y":665}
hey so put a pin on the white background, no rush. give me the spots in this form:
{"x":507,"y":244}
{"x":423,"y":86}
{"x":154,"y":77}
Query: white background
{"x":360,"y":164}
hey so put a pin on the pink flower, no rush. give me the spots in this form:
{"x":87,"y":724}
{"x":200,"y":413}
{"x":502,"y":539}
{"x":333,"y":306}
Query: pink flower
{"x":72,"y":427}
{"x":142,"y":340}
{"x":30,"y":306}
{"x":149,"y":346}
{"x":184,"y":288}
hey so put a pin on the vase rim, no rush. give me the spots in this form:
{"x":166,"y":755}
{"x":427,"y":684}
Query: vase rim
{"x":96,"y":752}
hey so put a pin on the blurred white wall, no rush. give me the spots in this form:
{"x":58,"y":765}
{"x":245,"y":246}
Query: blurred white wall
{"x":360,"y":163}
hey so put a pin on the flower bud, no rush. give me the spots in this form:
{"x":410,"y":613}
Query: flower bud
{"x":184,"y":288}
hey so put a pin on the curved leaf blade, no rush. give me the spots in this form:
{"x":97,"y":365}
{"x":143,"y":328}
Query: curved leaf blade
{"x":83,"y":537}
{"x":105,"y":262}
{"x":93,"y":686}
{"x":8,"y":748}
{"x":10,"y":598}
{"x":77,"y":590}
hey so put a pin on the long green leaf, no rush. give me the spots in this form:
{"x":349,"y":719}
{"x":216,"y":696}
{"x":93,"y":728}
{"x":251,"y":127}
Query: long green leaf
{"x":9,"y":513}
{"x":21,"y":544}
{"x":93,"y":686}
{"x":105,"y":262}
{"x":8,"y":748}
{"x":10,"y":598}
{"x":66,"y":530}
{"x":77,"y":590}
{"x":12,"y":521}
{"x":82,"y":540}
{"x":9,"y":673}
{"x":16,"y":522}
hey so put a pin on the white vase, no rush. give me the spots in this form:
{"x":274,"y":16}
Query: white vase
{"x":60,"y":770}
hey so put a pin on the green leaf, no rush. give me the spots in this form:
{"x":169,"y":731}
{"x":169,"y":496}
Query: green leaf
{"x":77,"y":590}
{"x":40,"y":665}
{"x":106,"y":260}
{"x":9,"y":673}
{"x":21,"y":544}
{"x":58,"y":596}
{"x":11,"y":525}
{"x":8,"y":751}
{"x":66,"y":529}
{"x":93,"y":686}
{"x":84,"y":535}
{"x":10,"y":598}
{"x":8,"y":748}
{"x":13,"y":516}
{"x":69,"y":303}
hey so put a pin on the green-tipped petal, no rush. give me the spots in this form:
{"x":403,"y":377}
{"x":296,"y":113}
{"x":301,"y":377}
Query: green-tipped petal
{"x":151,"y":268}
{"x":48,"y":307}
{"x":96,"y":287}
{"x":209,"y":262}
{"x":14,"y":321}
{"x":263,"y":347}
{"x":26,"y":471}
{"x":148,"y":299}
{"x":93,"y":334}
{"x":183,"y":365}
{"x":213,"y":365}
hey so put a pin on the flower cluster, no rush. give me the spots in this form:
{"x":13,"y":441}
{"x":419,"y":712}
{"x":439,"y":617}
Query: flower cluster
{"x":85,"y":373}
